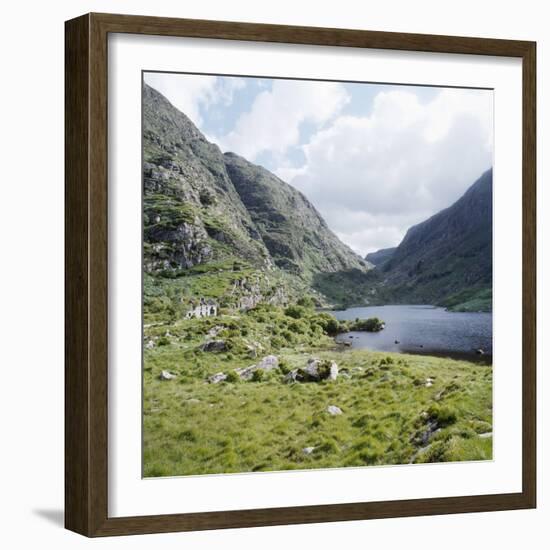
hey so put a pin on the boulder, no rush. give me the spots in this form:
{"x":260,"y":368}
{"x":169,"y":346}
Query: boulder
{"x":268,"y":363}
{"x":308,"y":450}
{"x":333,"y":410}
{"x":311,"y":370}
{"x":218,"y":377}
{"x":254,"y":349}
{"x":214,"y":346}
{"x":165,"y":375}
{"x":314,"y":371}
{"x":292,"y":376}
{"x":214,"y":331}
{"x":246,"y":373}
{"x":150,"y":344}
{"x":333,"y":371}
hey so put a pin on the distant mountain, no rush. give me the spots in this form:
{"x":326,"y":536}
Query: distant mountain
{"x":202,"y":207}
{"x":446,"y":259}
{"x":380,"y":256}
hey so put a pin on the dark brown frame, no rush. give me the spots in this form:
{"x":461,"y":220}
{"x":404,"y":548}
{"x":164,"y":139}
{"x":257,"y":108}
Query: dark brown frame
{"x":87,"y":286}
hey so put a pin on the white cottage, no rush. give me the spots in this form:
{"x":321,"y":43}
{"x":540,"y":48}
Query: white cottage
{"x":205,"y":308}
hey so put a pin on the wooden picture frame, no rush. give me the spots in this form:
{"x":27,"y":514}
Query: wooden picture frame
{"x":86,"y":282}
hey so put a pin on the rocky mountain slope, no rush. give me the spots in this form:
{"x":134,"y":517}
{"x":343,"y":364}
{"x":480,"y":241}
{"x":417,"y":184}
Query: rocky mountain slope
{"x":380,"y":256}
{"x":205,"y":208}
{"x":447,"y":256}
{"x":297,"y":237}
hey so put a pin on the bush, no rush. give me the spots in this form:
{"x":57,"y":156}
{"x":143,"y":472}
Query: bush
{"x":373,"y":324}
{"x":277,"y":342}
{"x":233,"y":377}
{"x":163,"y":341}
{"x":329,"y":325}
{"x":307,"y":302}
{"x":258,"y":375}
{"x":284,"y":367}
{"x":443,"y":415}
{"x":288,"y":336}
{"x":299,"y":327}
{"x":295,"y":311}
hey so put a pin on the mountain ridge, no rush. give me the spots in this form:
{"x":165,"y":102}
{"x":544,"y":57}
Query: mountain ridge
{"x":446,"y":254}
{"x":204,"y":207}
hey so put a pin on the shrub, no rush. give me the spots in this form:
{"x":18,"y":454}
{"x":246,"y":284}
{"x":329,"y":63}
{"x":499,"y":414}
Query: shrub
{"x":258,"y":375}
{"x":206,"y":197}
{"x":373,"y":324}
{"x":442,"y":414}
{"x":277,"y":342}
{"x":163,"y":341}
{"x":295,"y":311}
{"x":288,"y":336}
{"x":307,"y":302}
{"x":298,"y":327}
{"x":233,"y":377}
{"x":284,"y":367}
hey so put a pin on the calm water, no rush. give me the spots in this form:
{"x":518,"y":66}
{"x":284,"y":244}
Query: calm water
{"x":423,"y":329}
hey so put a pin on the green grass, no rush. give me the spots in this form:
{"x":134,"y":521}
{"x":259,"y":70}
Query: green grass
{"x":193,"y":427}
{"x":470,"y":300}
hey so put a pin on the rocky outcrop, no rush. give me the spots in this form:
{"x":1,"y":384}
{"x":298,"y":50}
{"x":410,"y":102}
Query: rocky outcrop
{"x":217,"y":378}
{"x":266,"y":364}
{"x":314,"y":371}
{"x":214,"y":346}
{"x":201,"y":206}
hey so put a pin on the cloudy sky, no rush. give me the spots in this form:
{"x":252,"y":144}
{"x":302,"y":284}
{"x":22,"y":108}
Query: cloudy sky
{"x":374,"y":159}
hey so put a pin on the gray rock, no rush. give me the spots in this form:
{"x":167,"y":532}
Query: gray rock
{"x":314,"y":371}
{"x":214,"y":331}
{"x":486,"y":435}
{"x":214,"y":346}
{"x":308,"y":450}
{"x":218,"y":377}
{"x":165,"y":375}
{"x":246,"y":373}
{"x":268,"y":363}
{"x":292,"y":376}
{"x":333,"y":410}
{"x":150,"y":344}
{"x":311,"y":370}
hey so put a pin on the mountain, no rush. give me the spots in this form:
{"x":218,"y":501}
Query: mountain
{"x":446,"y":259}
{"x":380,"y":256}
{"x":297,"y":237}
{"x":206,"y":208}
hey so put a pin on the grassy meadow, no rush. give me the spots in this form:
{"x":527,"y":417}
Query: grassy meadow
{"x":394,"y":408}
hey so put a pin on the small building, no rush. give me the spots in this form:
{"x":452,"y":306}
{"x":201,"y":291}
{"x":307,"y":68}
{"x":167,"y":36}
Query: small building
{"x":205,"y":308}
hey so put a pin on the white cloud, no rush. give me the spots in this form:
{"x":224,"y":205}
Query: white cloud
{"x":273,"y":121}
{"x":373,"y":177}
{"x":190,"y":93}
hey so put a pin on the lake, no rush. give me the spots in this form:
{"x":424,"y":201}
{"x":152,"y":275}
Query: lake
{"x":423,"y":329}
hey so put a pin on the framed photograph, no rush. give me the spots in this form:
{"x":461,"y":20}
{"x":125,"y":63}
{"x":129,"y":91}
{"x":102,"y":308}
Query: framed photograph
{"x":300,"y":275}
